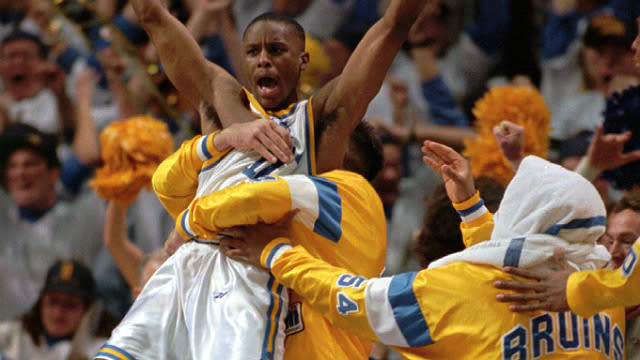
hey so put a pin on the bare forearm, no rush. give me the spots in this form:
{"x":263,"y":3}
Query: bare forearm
{"x":179,"y":53}
{"x":128,"y":257}
{"x":66,"y":111}
{"x":85,"y":141}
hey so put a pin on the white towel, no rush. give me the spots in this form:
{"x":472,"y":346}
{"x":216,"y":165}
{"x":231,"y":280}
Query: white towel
{"x":544,"y":207}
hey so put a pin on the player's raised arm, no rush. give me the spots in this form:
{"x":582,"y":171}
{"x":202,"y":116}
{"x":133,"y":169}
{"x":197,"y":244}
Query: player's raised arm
{"x":343,"y":101}
{"x":186,"y":66}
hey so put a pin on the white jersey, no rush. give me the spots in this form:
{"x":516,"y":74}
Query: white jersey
{"x":201,"y":304}
{"x":238,"y":166}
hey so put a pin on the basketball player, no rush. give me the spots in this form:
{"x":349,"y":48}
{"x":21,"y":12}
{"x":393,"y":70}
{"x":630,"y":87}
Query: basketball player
{"x":274,"y":54}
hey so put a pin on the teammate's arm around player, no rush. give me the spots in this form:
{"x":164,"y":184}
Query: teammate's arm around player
{"x":583,"y":292}
{"x":351,"y":302}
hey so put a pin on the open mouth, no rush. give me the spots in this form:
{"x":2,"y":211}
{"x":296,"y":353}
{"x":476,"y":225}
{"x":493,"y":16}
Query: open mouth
{"x":267,"y":85}
{"x":18,"y":78}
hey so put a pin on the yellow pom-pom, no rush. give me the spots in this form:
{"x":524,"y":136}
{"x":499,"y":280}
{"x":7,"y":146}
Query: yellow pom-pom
{"x":132,"y":149}
{"x":523,"y":106}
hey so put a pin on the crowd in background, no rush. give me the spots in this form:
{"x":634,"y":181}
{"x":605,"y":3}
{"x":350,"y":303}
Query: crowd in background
{"x":68,"y":70}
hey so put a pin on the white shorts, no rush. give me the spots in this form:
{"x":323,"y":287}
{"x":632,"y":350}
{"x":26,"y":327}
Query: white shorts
{"x":202,"y":305}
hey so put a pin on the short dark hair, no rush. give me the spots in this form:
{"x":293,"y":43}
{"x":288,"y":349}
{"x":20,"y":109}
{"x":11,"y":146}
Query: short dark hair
{"x":365,"y":155}
{"x":440,"y":234}
{"x":17,"y":35}
{"x":279,"y":18}
{"x":629,"y":201}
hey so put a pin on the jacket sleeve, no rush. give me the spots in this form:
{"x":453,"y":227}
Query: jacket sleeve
{"x":591,"y":291}
{"x":176,"y":179}
{"x":477,"y":221}
{"x":265,"y":200}
{"x":380,"y":309}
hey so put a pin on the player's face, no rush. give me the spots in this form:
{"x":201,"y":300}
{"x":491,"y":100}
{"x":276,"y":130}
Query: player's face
{"x":274,"y":59}
{"x":61,"y":313}
{"x":623,"y":228}
{"x":30,"y":182}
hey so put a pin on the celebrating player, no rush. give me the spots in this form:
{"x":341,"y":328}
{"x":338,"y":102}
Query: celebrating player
{"x":430,"y":313}
{"x":319,"y":129}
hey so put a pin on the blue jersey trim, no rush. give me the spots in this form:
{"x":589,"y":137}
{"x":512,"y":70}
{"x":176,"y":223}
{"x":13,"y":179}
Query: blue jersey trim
{"x":277,"y":318}
{"x":266,"y":354}
{"x":308,"y":142}
{"x":273,"y":252}
{"x":183,"y":222}
{"x":407,"y":312}
{"x":215,"y":163}
{"x":293,"y":109}
{"x":203,"y":147}
{"x":578,"y":224}
{"x":512,"y":256}
{"x":329,"y":209}
{"x":472,"y":209}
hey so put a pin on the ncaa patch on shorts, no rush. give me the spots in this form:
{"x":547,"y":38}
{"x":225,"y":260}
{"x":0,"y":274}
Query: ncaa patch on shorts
{"x":293,"y":322}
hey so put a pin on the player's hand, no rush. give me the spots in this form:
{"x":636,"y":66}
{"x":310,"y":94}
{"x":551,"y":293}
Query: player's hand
{"x":453,"y":168}
{"x":548,"y":292}
{"x":248,"y":241}
{"x":174,"y":241}
{"x":266,"y":137}
{"x":511,"y":141}
{"x":605,"y":150}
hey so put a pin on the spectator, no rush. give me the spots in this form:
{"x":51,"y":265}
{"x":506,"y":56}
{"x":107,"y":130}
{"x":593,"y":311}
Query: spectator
{"x":61,"y":324}
{"x":623,"y":228}
{"x":402,"y":204}
{"x":26,"y":98}
{"x":37,"y":226}
{"x":607,"y":41}
{"x":562,"y":33}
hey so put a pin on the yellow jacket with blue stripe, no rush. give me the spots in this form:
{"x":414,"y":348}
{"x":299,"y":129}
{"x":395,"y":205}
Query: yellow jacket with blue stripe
{"x":591,"y":291}
{"x":448,"y":312}
{"x":341,"y":221}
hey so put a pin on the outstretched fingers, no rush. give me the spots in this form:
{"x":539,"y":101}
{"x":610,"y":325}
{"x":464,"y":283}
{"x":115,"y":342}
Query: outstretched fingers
{"x":443,"y":152}
{"x":630,"y":157}
{"x":518,"y":285}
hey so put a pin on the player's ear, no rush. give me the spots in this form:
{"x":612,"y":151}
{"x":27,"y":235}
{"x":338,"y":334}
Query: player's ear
{"x":304,"y":60}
